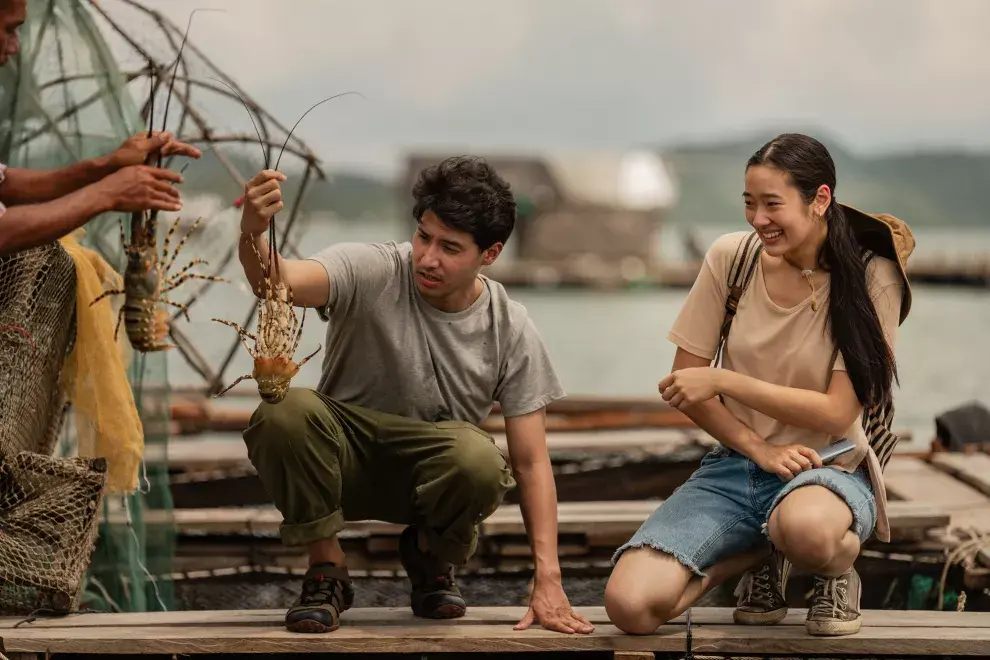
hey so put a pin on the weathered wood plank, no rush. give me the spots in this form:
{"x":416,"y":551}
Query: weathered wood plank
{"x":914,"y":480}
{"x":230,"y":451}
{"x":971,"y":469}
{"x":573,"y":518}
{"x":387,"y":631}
{"x":401,"y":616}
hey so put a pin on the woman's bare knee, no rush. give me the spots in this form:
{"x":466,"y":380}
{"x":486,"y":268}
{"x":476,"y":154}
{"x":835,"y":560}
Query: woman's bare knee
{"x":808,"y":526}
{"x":644,"y":590}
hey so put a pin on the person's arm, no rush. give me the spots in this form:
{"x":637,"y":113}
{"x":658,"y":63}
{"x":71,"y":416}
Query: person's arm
{"x":359,"y":272}
{"x":30,"y":186}
{"x":307,"y":279}
{"x":832,"y":412}
{"x":714,"y":418}
{"x":527,"y":444}
{"x":528,"y":384}
{"x":23,"y":186}
{"x":130,"y":189}
{"x":530,"y":459}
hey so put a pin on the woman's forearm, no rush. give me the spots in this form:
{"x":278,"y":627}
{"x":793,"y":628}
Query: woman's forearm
{"x":815,"y":411}
{"x":718,"y":421}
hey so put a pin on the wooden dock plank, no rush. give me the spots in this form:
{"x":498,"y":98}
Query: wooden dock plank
{"x":395,"y":630}
{"x":573,"y":518}
{"x":915,"y":480}
{"x":971,"y":469}
{"x":391,"y":616}
{"x":230,"y":451}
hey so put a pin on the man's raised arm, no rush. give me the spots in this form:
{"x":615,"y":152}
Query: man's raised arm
{"x":308,"y":279}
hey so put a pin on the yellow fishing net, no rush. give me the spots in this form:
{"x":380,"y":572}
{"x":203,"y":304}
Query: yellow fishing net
{"x":95,"y":376}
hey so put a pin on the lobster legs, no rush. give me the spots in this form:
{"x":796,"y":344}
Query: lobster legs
{"x":147,"y":279}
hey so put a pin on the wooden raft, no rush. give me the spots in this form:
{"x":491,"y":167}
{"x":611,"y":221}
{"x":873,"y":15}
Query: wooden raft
{"x":959,"y":485}
{"x":488,"y":630}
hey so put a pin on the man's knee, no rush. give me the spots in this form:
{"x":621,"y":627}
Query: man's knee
{"x":276,"y":425}
{"x":297,"y":401}
{"x":479,"y":471}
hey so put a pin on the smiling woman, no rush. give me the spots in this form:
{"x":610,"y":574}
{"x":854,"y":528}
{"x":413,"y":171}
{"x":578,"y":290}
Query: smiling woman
{"x":809,"y":359}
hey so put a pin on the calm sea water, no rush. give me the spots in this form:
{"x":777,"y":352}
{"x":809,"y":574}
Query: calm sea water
{"x":614,"y":344}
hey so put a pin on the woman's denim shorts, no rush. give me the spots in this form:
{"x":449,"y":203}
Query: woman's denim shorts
{"x":722,"y":510}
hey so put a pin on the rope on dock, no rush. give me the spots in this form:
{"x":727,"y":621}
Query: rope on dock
{"x":967,"y":552}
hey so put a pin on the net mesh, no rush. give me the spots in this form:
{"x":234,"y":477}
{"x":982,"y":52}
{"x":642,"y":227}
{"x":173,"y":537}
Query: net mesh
{"x":63,"y":99}
{"x":77,"y":89}
{"x":37,"y":303}
{"x":48,"y":511}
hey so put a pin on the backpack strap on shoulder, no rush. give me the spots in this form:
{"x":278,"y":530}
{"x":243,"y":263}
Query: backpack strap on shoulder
{"x":740,"y":273}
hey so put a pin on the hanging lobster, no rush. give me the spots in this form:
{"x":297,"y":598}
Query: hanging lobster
{"x":146,"y":276}
{"x":147,"y":280}
{"x":275,"y":342}
{"x":278,"y":330}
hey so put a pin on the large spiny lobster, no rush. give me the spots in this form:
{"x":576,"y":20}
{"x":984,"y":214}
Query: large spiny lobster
{"x":275,"y":342}
{"x":279,"y":330}
{"x":146,"y":276}
{"x":147,"y":280}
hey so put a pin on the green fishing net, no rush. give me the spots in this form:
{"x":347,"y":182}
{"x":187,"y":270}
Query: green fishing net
{"x":64,"y":63}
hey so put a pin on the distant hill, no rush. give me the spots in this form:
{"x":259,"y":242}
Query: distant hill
{"x":925,"y":188}
{"x":945,"y":188}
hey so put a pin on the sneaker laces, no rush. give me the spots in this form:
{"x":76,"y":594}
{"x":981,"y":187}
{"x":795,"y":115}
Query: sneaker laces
{"x":831,"y":596}
{"x":757,"y":583}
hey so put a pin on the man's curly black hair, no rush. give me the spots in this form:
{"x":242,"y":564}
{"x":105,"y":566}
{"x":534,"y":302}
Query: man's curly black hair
{"x":467,"y":193}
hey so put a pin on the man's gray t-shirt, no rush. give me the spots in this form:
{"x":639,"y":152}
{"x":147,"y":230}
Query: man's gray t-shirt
{"x":389,"y":350}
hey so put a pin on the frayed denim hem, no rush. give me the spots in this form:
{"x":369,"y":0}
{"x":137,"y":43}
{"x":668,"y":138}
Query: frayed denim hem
{"x":863,"y":508}
{"x":656,"y":545}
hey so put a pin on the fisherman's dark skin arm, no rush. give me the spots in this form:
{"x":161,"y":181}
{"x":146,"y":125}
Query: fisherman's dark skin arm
{"x":136,"y":188}
{"x":30,"y":186}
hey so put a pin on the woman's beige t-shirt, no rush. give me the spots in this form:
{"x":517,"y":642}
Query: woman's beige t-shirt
{"x":792,"y":347}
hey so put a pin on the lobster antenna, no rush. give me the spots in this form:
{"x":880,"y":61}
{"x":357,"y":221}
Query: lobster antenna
{"x":175,"y":69}
{"x":330,"y":98}
{"x":272,"y":258}
{"x":137,"y":217}
{"x":272,"y":238}
{"x":247,"y":108}
{"x":151,"y":95}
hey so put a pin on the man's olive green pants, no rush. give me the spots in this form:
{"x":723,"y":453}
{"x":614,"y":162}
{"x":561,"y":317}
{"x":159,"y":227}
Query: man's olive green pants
{"x":324,"y":462}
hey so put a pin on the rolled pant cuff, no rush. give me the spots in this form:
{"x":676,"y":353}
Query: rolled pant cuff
{"x":316,"y":530}
{"x":450,"y":551}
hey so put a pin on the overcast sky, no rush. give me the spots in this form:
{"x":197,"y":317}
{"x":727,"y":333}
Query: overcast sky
{"x":874,"y":74}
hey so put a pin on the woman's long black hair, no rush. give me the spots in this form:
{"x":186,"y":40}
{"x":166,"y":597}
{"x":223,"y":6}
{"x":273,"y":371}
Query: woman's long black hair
{"x":852,"y":317}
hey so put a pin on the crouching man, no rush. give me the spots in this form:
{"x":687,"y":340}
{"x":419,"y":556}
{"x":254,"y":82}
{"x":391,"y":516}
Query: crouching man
{"x":419,"y":347}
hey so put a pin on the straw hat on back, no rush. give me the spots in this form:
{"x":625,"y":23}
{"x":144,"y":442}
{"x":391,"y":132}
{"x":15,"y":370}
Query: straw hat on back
{"x":888,"y":237}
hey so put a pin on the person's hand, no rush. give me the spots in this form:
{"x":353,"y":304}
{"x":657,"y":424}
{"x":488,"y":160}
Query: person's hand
{"x":137,"y":148}
{"x":549,"y":607}
{"x":786,"y":461}
{"x":141,"y":188}
{"x":686,"y":387}
{"x":262,"y":200}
